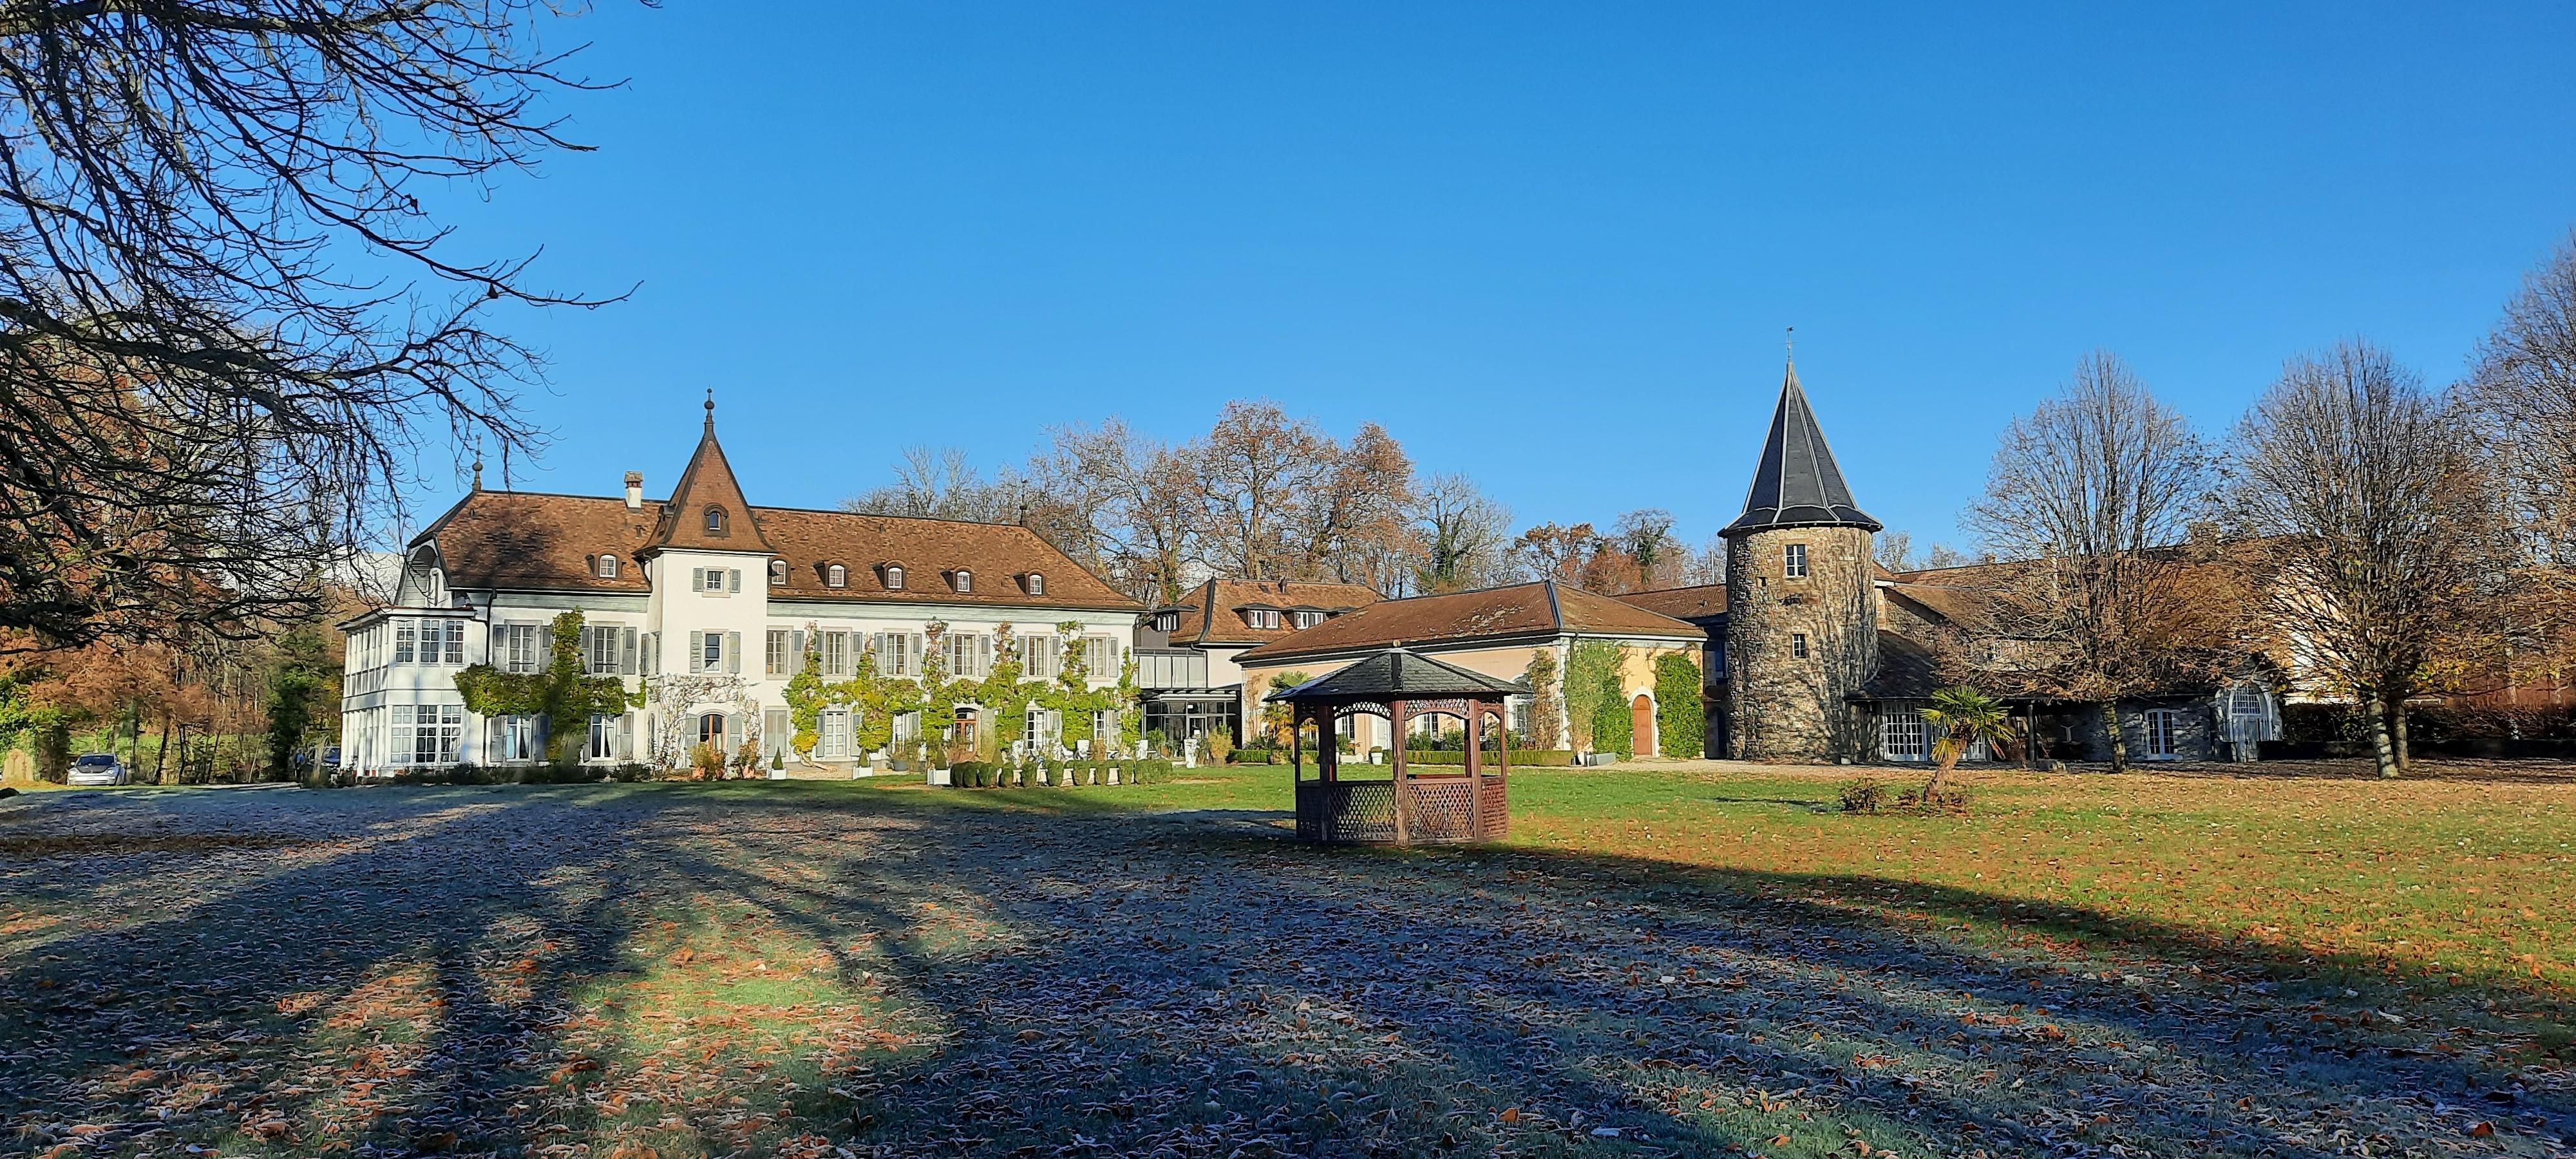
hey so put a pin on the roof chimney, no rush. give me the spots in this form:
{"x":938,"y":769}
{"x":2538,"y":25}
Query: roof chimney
{"x":635,"y":490}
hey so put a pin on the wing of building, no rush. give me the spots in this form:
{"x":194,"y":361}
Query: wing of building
{"x":1811,"y":651}
{"x":706,"y":603}
{"x":1185,"y":652}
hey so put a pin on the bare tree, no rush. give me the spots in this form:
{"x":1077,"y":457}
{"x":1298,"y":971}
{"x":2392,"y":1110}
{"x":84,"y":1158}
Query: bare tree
{"x":202,"y":402}
{"x":1461,"y":532}
{"x":944,"y":484}
{"x":2374,"y":524}
{"x":1356,"y":527}
{"x":2524,"y":385}
{"x":1707,"y":565}
{"x":1646,"y":535}
{"x":1123,"y":505}
{"x":1254,"y":470}
{"x":2096,"y":488}
{"x":1895,"y":550}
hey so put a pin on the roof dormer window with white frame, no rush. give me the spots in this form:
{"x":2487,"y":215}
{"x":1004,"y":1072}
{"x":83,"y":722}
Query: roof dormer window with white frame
{"x":893,"y":573}
{"x":606,"y":566}
{"x":836,"y":576}
{"x":963,"y":581}
{"x":1035,"y":583}
{"x":778,"y":573}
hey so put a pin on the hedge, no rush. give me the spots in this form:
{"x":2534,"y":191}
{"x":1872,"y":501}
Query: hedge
{"x":987,"y":775}
{"x":1521,"y":758}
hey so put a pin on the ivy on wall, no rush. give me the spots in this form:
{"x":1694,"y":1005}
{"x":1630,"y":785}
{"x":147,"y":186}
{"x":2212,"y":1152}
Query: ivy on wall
{"x":876,"y":700}
{"x":1542,"y":682}
{"x":1594,"y":707}
{"x":561,"y":692}
{"x":1680,"y":722}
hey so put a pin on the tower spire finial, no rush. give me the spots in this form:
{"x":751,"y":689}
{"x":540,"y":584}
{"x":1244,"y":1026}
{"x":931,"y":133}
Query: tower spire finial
{"x":711,"y":410}
{"x":1790,"y":344}
{"x":478,"y":470}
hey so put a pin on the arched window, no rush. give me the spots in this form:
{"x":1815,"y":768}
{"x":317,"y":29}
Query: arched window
{"x":894,"y":577}
{"x":965,"y":580}
{"x":1037,"y":584}
{"x":778,"y":573}
{"x":715,"y":520}
{"x":836,"y":576}
{"x":607,"y":566}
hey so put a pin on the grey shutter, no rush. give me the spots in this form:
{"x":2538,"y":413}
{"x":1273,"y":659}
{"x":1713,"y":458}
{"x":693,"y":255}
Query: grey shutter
{"x":697,"y":579}
{"x":649,"y":645}
{"x":733,"y":650}
{"x":626,"y":655}
{"x":796,"y":651}
{"x":626,"y":737}
{"x":733,"y":580}
{"x":697,"y":653}
{"x":545,"y":647}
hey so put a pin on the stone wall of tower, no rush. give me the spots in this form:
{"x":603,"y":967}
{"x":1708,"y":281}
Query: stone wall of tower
{"x":1782,"y":706}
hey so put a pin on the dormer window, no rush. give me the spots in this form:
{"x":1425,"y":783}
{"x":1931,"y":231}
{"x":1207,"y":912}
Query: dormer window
{"x":894,"y":577}
{"x":607,"y":566}
{"x":963,"y":580}
{"x":1306,"y":619}
{"x":1261,"y":617}
{"x":715,"y":520}
{"x":1167,"y":621}
{"x":836,"y":576}
{"x":1037,"y":584}
{"x":778,"y":573}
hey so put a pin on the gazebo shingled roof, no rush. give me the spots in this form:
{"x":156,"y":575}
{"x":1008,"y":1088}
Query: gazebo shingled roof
{"x":1396,"y":673}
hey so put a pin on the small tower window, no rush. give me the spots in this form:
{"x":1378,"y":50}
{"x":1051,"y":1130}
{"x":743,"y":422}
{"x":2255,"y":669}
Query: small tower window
{"x":1798,"y":645}
{"x":607,"y":566}
{"x":1037,"y":584}
{"x":965,"y":580}
{"x":778,"y":573}
{"x":894,"y":577}
{"x":836,"y":576}
{"x":1793,"y":563}
{"x":715,"y":520}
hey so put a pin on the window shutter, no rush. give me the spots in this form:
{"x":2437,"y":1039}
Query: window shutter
{"x":796,"y":652}
{"x":697,"y":652}
{"x":733,"y":647}
{"x":626,"y":655}
{"x":545,"y":646}
{"x":649,"y":649}
{"x":626,"y":737}
{"x":733,"y":580}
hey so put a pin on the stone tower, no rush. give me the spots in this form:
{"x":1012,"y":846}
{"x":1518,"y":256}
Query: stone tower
{"x":1802,"y":609}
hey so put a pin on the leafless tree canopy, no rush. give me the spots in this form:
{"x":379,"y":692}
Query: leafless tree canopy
{"x":1462,"y":533}
{"x":2097,"y":489}
{"x":2525,"y":389}
{"x":227,"y":322}
{"x":2372,"y":516}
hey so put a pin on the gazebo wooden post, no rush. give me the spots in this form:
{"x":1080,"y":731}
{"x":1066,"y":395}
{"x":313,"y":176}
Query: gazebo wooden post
{"x":1328,"y":758}
{"x":1403,"y":832}
{"x":1297,"y":746}
{"x":1476,"y":768}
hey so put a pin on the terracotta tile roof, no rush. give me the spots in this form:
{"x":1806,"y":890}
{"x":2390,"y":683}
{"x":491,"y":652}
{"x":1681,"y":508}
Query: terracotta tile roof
{"x":708,"y":482}
{"x":513,"y":539}
{"x":1696,"y":601}
{"x":1534,"y":609}
{"x":1209,"y":616}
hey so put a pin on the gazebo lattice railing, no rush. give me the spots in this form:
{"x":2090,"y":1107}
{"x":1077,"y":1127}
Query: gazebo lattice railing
{"x":1405,"y":807}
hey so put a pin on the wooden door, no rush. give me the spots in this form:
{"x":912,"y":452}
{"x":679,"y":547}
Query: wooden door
{"x":1641,"y":724}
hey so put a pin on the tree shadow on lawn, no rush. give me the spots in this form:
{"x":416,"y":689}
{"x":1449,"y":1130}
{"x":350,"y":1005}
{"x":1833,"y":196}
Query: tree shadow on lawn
{"x":1464,"y":1002}
{"x":1128,"y":984}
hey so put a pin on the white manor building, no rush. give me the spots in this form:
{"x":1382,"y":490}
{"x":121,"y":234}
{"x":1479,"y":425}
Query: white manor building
{"x":708,"y":605}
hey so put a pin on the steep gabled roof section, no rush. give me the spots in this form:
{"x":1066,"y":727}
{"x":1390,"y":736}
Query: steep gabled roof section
{"x":1797,"y":483}
{"x":709,"y":482}
{"x":1396,"y":674}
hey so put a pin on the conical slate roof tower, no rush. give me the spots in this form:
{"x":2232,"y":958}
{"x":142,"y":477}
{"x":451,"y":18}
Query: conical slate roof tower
{"x":1796,"y":483}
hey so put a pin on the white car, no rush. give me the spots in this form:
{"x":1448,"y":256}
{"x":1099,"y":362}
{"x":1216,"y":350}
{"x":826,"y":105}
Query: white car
{"x":97,"y":769}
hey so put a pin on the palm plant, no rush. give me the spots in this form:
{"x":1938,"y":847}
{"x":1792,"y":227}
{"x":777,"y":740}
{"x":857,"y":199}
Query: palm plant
{"x":1962,"y":716}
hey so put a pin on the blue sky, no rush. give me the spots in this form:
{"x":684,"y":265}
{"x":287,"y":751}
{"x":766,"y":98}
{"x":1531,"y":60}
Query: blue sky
{"x":1551,"y":246}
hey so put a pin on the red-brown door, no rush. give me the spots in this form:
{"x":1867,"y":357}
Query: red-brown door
{"x":1641,"y":724}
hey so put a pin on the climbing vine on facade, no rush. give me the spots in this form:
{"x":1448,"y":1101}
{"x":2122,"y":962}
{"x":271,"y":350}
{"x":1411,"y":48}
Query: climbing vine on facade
{"x":562,"y":692}
{"x":874,"y":701}
{"x":1681,"y":723}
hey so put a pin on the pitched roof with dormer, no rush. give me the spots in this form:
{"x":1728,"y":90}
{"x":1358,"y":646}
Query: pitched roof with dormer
{"x":708,"y":485}
{"x":1212,"y":613}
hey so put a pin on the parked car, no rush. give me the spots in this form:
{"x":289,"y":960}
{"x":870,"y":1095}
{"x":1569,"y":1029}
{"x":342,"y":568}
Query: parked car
{"x":97,"y":769}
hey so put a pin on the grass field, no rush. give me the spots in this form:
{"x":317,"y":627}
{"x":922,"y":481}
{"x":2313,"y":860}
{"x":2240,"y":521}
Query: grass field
{"x":1704,"y":959}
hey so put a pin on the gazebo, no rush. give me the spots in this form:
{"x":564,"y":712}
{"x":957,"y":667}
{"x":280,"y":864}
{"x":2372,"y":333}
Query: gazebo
{"x":1404,"y":808}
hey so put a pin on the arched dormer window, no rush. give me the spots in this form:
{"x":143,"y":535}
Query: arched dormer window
{"x":607,"y":566}
{"x":963,"y":580}
{"x":836,"y":576}
{"x":715,"y":520}
{"x":778,"y":573}
{"x":1036,"y":583}
{"x":894,"y":577}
